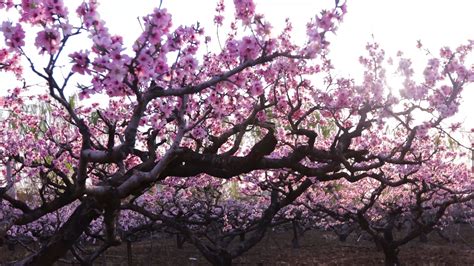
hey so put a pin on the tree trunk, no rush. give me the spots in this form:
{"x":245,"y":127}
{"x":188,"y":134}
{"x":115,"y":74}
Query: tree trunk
{"x":129,"y":253}
{"x":391,"y":256}
{"x":296,"y":240}
{"x":180,"y":239}
{"x":66,"y":236}
{"x":242,"y":237}
{"x":10,"y":179}
{"x":423,"y":238}
{"x":390,"y":250}
{"x":105,"y":258}
{"x":223,"y":259}
{"x":150,"y":251}
{"x":218,"y":257}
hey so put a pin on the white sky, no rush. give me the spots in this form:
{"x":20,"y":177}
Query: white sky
{"x":395,"y":24}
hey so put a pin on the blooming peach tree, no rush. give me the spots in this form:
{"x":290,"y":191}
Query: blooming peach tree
{"x":169,"y":133}
{"x":400,"y":204}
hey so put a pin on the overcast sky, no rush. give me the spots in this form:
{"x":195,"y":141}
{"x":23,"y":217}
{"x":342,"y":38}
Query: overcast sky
{"x":395,"y":24}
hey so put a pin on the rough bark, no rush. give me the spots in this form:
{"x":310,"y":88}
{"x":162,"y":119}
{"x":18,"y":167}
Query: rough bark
{"x":129,"y":253}
{"x":222,"y":259}
{"x":296,"y":240}
{"x":391,"y":256}
{"x":67,"y":235}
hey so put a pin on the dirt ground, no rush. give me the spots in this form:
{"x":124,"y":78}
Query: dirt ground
{"x":317,"y":248}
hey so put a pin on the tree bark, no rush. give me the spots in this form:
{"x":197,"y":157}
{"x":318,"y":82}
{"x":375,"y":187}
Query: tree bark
{"x":67,"y":235}
{"x":222,"y":259}
{"x":180,"y":239}
{"x":242,"y":237}
{"x":391,"y":256}
{"x":129,"y":253}
{"x":296,"y":240}
{"x":423,"y":238}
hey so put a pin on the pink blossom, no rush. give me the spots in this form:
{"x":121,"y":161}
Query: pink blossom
{"x":89,"y":15}
{"x":447,"y":110}
{"x":324,"y":22}
{"x":48,"y":41}
{"x":161,"y":67}
{"x":344,"y":8}
{"x":189,"y":63}
{"x":404,"y":67}
{"x":431,"y":72}
{"x":264,"y":28}
{"x":218,"y":19}
{"x":14,"y":35}
{"x":455,"y":126}
{"x":117,"y":71}
{"x":6,"y":4}
{"x":160,"y":19}
{"x":199,"y":133}
{"x":33,"y":11}
{"x":81,"y":62}
{"x":445,"y":52}
{"x":244,"y":10}
{"x":166,"y":108}
{"x":56,"y":7}
{"x":232,"y":48}
{"x":220,"y":6}
{"x":256,"y":88}
{"x":248,"y":48}
{"x":419,"y":44}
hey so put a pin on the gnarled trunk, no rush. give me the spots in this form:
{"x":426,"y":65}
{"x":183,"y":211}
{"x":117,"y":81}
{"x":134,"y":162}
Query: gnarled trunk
{"x":180,"y":239}
{"x":222,"y":259}
{"x":296,"y":240}
{"x":391,"y":256}
{"x":67,"y":235}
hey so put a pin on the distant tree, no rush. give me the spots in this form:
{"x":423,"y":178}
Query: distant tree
{"x":400,"y":204}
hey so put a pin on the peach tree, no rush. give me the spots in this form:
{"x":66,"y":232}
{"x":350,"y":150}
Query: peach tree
{"x":262,"y":112}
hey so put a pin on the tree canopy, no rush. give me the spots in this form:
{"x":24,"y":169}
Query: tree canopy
{"x":215,"y":144}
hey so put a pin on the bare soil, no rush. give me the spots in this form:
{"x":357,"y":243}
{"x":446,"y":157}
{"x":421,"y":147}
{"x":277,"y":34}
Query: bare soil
{"x":316,"y":248}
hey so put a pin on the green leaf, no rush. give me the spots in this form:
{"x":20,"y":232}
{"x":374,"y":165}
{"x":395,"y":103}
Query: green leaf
{"x":72,"y":101}
{"x":326,"y":131}
{"x":69,"y":166}
{"x":234,"y":190}
{"x":94,"y":118}
{"x":48,"y":159}
{"x":42,"y":125}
